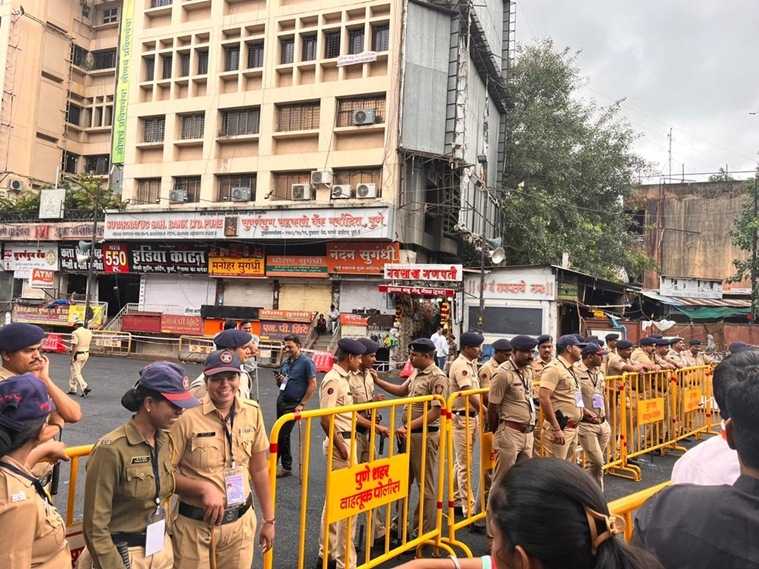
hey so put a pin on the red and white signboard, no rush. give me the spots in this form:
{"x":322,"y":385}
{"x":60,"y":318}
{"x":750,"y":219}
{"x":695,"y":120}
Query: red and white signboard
{"x":418,"y":291}
{"x":452,"y":273}
{"x":115,"y":258}
{"x":42,"y":278}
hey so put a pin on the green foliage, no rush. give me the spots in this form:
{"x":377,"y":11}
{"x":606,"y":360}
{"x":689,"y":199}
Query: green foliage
{"x":721,"y":176}
{"x":742,"y":234}
{"x":570,"y":165}
{"x":81,"y":197}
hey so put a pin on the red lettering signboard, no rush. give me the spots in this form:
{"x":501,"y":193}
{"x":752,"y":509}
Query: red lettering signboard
{"x":360,"y":258}
{"x":418,"y":291}
{"x":42,"y":278}
{"x":296,"y":266}
{"x":353,"y":320}
{"x":115,"y":257}
{"x":56,"y":316}
{"x":285,"y":315}
{"x":276,"y":330}
{"x":180,"y":324}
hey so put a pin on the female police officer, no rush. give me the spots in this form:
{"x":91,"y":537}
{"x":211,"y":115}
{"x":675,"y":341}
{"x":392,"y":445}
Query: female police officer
{"x":130,"y":476}
{"x":34,"y":532}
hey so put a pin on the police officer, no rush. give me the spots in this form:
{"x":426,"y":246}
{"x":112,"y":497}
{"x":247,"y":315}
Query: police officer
{"x":221,"y":449}
{"x":561,"y":401}
{"x":696,"y":357}
{"x":662,"y":350}
{"x":594,"y":430}
{"x":336,"y":391}
{"x":80,"y":353}
{"x":426,"y":379}
{"x":544,"y":359}
{"x":124,"y":500}
{"x":241,"y":343}
{"x":34,"y":532}
{"x":677,"y":354}
{"x":644,"y":354}
{"x":611,"y":347}
{"x":463,"y":377}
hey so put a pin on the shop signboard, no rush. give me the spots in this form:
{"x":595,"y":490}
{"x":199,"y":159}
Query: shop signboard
{"x":360,"y":258}
{"x":285,"y":315}
{"x":235,"y":267}
{"x":182,"y":325}
{"x":53,"y":231}
{"x":67,"y":253}
{"x":22,"y":258}
{"x":169,"y":259}
{"x":418,"y":291}
{"x":424,"y":272}
{"x":296,"y":266}
{"x":273,"y":330}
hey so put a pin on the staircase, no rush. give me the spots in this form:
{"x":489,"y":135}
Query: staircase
{"x":322,"y":343}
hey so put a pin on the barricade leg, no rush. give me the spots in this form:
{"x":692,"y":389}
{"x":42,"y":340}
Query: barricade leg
{"x":463,"y":445}
{"x":340,"y":546}
{"x":377,"y":523}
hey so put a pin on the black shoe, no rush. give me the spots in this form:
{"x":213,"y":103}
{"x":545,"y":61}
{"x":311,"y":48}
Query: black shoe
{"x":69,"y":392}
{"x":86,"y":392}
{"x":458,"y":511}
{"x":331,"y":564}
{"x":476,"y":528}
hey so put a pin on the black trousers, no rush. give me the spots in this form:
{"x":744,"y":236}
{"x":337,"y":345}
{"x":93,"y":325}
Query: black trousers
{"x":285,"y":406}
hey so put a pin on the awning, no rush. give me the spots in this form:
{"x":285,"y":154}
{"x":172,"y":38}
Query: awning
{"x":703,"y":308}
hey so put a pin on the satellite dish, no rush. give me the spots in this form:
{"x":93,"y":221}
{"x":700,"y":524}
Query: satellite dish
{"x":497,"y":256}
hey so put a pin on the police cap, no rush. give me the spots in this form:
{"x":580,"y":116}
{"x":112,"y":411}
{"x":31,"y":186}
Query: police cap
{"x":502,"y":345}
{"x":232,"y":339}
{"x":647,"y":341}
{"x":737,"y":347}
{"x":661,"y":342}
{"x":423,"y":346}
{"x":18,"y":336}
{"x":370,"y":345}
{"x":624,"y":345}
{"x":23,"y":398}
{"x":611,"y":337}
{"x":471,"y":339}
{"x":351,"y":346}
{"x":171,"y":381}
{"x":524,"y":343}
{"x":593,"y":348}
{"x":544,"y":338}
{"x":221,"y":361}
{"x":568,"y":340}
{"x":695,"y":342}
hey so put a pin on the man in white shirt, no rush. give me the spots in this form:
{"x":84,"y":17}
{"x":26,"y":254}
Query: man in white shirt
{"x":441,"y":346}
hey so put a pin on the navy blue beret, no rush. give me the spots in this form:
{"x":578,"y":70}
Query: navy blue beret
{"x":624,"y":345}
{"x":543,"y":338}
{"x":656,"y":336}
{"x":737,"y":347}
{"x":647,"y":341}
{"x":351,"y":346}
{"x":472,"y":339}
{"x":232,"y":339}
{"x":423,"y":346}
{"x":370,"y":345}
{"x":23,"y":398}
{"x":18,"y":336}
{"x":663,"y":342}
{"x":524,"y":343}
{"x":502,"y":345}
{"x":695,"y":342}
{"x":611,"y":337}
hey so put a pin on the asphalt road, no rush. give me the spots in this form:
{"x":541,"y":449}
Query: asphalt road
{"x":111,"y":377}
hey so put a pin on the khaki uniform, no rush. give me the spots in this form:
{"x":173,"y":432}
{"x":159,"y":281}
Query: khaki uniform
{"x":538,"y":366}
{"x":80,"y":346}
{"x":700,"y":359}
{"x":35,"y":533}
{"x":463,"y":377}
{"x":335,"y":391}
{"x":679,"y":359}
{"x":429,"y":381}
{"x":639,"y":356}
{"x":594,"y":437}
{"x":511,"y":391}
{"x":203,"y":453}
{"x":119,"y":496}
{"x":615,"y":366}
{"x":564,"y":385}
{"x":487,"y":372}
{"x":605,"y":361}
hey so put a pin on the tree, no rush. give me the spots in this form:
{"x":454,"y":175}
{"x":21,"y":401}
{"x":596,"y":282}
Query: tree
{"x":569,"y":167}
{"x":721,"y":176}
{"x":744,"y":236}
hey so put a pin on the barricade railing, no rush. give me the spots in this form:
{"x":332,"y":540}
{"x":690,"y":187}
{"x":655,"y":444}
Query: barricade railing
{"x":693,"y":402}
{"x":652,"y":410}
{"x":617,"y":403}
{"x":111,"y":343}
{"x":194,"y":348}
{"x":627,"y":505}
{"x":369,"y":488}
{"x":74,"y":530}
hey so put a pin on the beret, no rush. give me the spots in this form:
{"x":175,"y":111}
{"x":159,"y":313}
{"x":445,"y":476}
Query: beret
{"x":543,"y":338}
{"x":370,"y":345}
{"x":593,"y":348}
{"x":695,"y":342}
{"x":736,"y":347}
{"x":624,"y":344}
{"x":23,"y":398}
{"x":524,"y":343}
{"x":351,"y":346}
{"x":222,"y":360}
{"x":472,"y":339}
{"x":663,"y":342}
{"x":423,"y":346}
{"x":19,"y":335}
{"x":656,"y":336}
{"x":171,"y":381}
{"x":611,"y":337}
{"x":647,"y":341}
{"x":232,"y":339}
{"x":501,"y":345}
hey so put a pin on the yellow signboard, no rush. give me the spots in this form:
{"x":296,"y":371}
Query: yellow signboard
{"x":76,"y":313}
{"x":691,"y":399}
{"x":126,"y":47}
{"x":365,"y":486}
{"x":487,"y":456}
{"x":233,"y":267}
{"x":650,"y":410}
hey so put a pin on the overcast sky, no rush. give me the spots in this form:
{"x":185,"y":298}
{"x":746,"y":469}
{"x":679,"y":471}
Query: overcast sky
{"x":689,"y":65}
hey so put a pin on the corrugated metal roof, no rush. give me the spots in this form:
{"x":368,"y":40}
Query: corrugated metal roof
{"x":683,"y":301}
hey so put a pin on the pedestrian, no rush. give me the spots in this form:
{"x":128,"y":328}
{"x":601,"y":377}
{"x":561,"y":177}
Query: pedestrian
{"x":242,"y":344}
{"x":334,"y":318}
{"x":221,"y":450}
{"x":594,"y":429}
{"x":80,"y":353}
{"x":340,"y":450}
{"x":321,"y":325}
{"x":561,"y":401}
{"x":297,"y":383}
{"x":442,"y":349}
{"x":426,"y":379}
{"x":463,"y":376}
{"x":127,"y":493}
{"x":34,"y":531}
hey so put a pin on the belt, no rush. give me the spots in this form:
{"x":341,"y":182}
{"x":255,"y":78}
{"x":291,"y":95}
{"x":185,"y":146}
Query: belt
{"x":346,"y":435}
{"x":463,"y":413}
{"x":571,"y":424}
{"x":518,"y":426}
{"x":421,"y":430}
{"x":84,"y":352}
{"x":230,"y":514}
{"x":131,"y":539}
{"x":600,"y":420}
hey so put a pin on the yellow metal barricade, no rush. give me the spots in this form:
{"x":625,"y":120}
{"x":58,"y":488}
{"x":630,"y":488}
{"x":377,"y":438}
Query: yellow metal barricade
{"x":111,"y":343}
{"x":366,"y":487}
{"x":692,"y":390}
{"x":627,"y":505}
{"x":616,"y":451}
{"x":194,"y":348}
{"x":74,"y":530}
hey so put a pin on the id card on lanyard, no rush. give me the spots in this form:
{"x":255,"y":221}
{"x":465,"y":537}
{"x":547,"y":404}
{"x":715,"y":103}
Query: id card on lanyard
{"x":234,"y":481}
{"x":156,"y":530}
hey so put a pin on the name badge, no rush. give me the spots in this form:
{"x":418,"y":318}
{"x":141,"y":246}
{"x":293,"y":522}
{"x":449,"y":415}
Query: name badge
{"x":283,"y":384}
{"x":598,"y":401}
{"x":578,"y":399}
{"x":140,"y":460}
{"x":532,"y":404}
{"x":154,"y":535}
{"x":234,"y":483}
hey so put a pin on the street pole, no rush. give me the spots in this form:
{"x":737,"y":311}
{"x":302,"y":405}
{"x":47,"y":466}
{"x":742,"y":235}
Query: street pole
{"x":91,"y":270}
{"x":481,"y":316}
{"x":753,"y":254}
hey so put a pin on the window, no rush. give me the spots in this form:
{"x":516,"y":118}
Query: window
{"x":240,"y":121}
{"x":98,"y":165}
{"x":232,"y":58}
{"x":381,"y":37}
{"x":287,"y":50}
{"x":184,"y":64}
{"x":225,"y":185}
{"x":191,"y":185}
{"x":149,"y":68}
{"x":148,"y":190}
{"x":85,"y":10}
{"x":308,"y":47}
{"x":354,"y":177}
{"x":283,"y":183}
{"x":356,"y":40}
{"x":79,"y":56}
{"x":73,"y":114}
{"x":202,"y":62}
{"x":110,"y":15}
{"x":331,"y":44}
{"x":346,"y":108}
{"x":69,"y":162}
{"x":157,"y":3}
{"x":192,"y":126}
{"x":153,"y":129}
{"x":255,"y":55}
{"x":166,"y":61}
{"x":105,"y":59}
{"x":300,"y":116}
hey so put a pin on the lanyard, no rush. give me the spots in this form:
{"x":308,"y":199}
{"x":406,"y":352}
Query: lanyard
{"x":36,"y":483}
{"x":154,"y":463}
{"x":527,"y":388}
{"x":228,"y":431}
{"x":577,"y":383}
{"x":593,"y":378}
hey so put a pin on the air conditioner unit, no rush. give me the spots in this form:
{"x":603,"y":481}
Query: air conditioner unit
{"x":240,"y":194}
{"x":178,"y":196}
{"x":321,"y":177}
{"x":300,"y":192}
{"x":341,"y":192}
{"x":364,"y":116}
{"x":15,"y":185}
{"x":366,"y":191}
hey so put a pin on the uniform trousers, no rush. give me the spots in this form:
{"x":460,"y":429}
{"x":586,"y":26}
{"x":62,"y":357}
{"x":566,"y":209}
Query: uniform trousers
{"x":337,"y":535}
{"x":510,"y":445}
{"x":555,"y":450}
{"x":594,"y":438}
{"x":463,"y":438}
{"x":363,"y":452}
{"x":427,"y":508}
{"x":164,"y":559}
{"x":285,"y":406}
{"x":233,"y":542}
{"x":76,"y":366}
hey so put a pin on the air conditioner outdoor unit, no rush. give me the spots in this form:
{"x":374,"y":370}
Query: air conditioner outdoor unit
{"x":364,"y":116}
{"x":341,"y":192}
{"x":301,"y":192}
{"x":15,"y":185}
{"x":240,"y":194}
{"x":321,"y":177}
{"x":178,"y":196}
{"x":366,"y":191}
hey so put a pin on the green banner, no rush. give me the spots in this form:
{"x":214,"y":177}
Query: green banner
{"x":126,"y":41}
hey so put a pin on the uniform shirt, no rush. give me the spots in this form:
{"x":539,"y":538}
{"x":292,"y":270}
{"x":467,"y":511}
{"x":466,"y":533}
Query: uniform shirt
{"x":6,"y":374}
{"x":298,"y":373}
{"x":428,"y":381}
{"x":689,"y":526}
{"x":511,"y":389}
{"x":592,"y":382}
{"x":362,"y":386}
{"x":335,"y":391}
{"x":202,"y":449}
{"x":538,"y":366}
{"x":487,"y":371}
{"x":561,"y":380}
{"x":35,"y":533}
{"x":80,"y":339}
{"x":640,"y":357}
{"x":677,"y":358}
{"x":616,"y":365}
{"x":700,"y":359}
{"x":605,"y":361}
{"x":462,"y":376}
{"x":120,"y":489}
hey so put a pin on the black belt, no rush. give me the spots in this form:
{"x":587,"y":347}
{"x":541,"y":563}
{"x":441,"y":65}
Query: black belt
{"x":463,"y":413}
{"x":131,"y":539}
{"x":230,"y":514}
{"x":346,"y":435}
{"x":421,"y":430}
{"x":84,"y":352}
{"x":288,"y":400}
{"x":362,"y":430}
{"x":592,"y":422}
